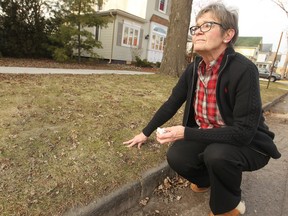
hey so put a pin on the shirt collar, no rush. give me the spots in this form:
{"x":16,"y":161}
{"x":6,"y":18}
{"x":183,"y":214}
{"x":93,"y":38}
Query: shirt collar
{"x":213,"y":66}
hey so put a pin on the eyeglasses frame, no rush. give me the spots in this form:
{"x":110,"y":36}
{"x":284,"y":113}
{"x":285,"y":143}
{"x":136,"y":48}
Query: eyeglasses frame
{"x":199,"y":27}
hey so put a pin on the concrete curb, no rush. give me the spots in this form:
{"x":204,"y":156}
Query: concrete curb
{"x":285,"y":203}
{"x":130,"y":194}
{"x":127,"y":196}
{"x":267,"y":106}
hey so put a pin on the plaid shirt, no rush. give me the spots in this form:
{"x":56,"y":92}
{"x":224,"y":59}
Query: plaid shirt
{"x":207,"y":113}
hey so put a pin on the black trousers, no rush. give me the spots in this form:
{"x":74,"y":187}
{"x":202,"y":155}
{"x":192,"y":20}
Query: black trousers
{"x":217,"y":165}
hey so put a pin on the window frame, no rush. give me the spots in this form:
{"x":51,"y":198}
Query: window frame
{"x":132,"y":32}
{"x":165,"y":6}
{"x":158,"y":39}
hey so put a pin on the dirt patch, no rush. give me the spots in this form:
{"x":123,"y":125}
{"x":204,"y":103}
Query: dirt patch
{"x":85,"y":64}
{"x":61,"y":138}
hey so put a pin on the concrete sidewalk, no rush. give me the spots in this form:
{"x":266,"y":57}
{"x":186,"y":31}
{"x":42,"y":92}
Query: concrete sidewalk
{"x":264,"y":191}
{"x":27,"y":70}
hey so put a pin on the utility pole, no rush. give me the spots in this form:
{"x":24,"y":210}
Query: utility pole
{"x":273,"y":63}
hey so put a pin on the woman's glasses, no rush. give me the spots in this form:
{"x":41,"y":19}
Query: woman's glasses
{"x":205,"y":27}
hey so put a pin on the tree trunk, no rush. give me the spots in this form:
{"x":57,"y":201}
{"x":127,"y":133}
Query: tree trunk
{"x":284,"y":69}
{"x":79,"y":30}
{"x":174,"y":61}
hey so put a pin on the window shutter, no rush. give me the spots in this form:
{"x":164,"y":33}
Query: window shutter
{"x":140,"y":39}
{"x":119,"y":34}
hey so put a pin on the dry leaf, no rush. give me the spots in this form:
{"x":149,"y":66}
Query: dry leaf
{"x":144,"y":201}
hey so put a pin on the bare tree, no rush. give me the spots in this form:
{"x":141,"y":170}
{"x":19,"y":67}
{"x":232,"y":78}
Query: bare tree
{"x":283,"y":4}
{"x":174,"y":61}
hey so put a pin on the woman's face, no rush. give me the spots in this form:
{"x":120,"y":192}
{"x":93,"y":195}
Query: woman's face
{"x":210,"y":41}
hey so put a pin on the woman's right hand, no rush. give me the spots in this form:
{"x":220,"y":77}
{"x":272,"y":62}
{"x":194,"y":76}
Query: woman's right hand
{"x":138,"y":140}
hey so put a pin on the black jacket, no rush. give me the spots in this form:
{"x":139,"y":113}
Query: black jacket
{"x":239,"y":102}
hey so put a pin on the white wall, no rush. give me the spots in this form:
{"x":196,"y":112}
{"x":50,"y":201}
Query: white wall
{"x":261,"y":57}
{"x":135,"y":7}
{"x":282,"y":60}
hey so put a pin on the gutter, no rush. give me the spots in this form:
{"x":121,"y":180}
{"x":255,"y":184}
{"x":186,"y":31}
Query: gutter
{"x":113,"y":34}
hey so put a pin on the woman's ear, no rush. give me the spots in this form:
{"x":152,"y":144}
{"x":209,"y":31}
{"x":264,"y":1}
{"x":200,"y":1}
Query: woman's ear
{"x":229,"y":34}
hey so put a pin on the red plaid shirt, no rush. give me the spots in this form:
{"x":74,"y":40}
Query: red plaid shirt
{"x":207,"y":113}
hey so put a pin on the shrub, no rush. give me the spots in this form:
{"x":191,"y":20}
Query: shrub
{"x":142,"y":63}
{"x":60,"y":55}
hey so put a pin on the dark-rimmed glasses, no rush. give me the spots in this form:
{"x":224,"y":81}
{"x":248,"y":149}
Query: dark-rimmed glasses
{"x":205,"y":27}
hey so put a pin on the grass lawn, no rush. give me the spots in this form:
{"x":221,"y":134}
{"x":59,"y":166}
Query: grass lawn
{"x":61,"y":137}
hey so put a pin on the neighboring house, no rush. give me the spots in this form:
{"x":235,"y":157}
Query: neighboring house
{"x":138,"y":28}
{"x":268,"y":58}
{"x":249,"y":46}
{"x":264,"y":57}
{"x":260,"y":54}
{"x":280,"y":69}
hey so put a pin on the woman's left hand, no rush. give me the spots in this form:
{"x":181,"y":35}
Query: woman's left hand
{"x":171,"y":134}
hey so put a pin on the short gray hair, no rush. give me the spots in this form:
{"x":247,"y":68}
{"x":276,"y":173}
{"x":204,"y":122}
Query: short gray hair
{"x":228,"y":18}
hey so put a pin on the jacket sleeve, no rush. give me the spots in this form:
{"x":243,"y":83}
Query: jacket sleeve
{"x":171,"y":106}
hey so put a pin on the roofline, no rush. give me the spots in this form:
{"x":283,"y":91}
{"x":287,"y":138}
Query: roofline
{"x":115,"y":12}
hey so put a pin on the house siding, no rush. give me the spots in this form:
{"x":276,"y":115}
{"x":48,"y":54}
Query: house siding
{"x":106,"y":35}
{"x":155,"y":18}
{"x":250,"y":52}
{"x":152,"y":8}
{"x":146,"y":18}
{"x":125,"y":53}
{"x":112,"y":46}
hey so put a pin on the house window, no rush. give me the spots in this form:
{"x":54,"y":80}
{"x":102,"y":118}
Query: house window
{"x":158,"y":42}
{"x":162,"y":6}
{"x":130,"y":36}
{"x":158,"y":39}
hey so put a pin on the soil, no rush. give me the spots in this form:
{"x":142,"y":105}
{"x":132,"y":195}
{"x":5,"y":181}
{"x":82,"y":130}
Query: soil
{"x":85,"y":64}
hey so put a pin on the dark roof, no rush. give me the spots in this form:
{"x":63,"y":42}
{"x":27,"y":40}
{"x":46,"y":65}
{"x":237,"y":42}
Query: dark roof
{"x":266,"y":47}
{"x":248,"y":41}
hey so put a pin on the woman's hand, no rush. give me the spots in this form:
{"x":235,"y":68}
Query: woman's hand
{"x":171,"y":134}
{"x":138,"y":140}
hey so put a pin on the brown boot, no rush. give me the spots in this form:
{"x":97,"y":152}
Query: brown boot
{"x":240,"y":209}
{"x":197,"y":189}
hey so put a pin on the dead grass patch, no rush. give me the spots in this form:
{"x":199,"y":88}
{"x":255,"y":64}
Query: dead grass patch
{"x":61,"y":137}
{"x":275,"y":90}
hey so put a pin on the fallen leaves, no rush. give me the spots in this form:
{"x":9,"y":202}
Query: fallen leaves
{"x":169,"y":187}
{"x":144,"y":201}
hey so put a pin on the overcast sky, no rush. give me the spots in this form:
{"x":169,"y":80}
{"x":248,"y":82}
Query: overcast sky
{"x":260,"y":18}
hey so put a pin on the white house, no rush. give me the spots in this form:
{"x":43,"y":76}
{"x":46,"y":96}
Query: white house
{"x":249,"y":46}
{"x":138,"y":28}
{"x":261,"y":54}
